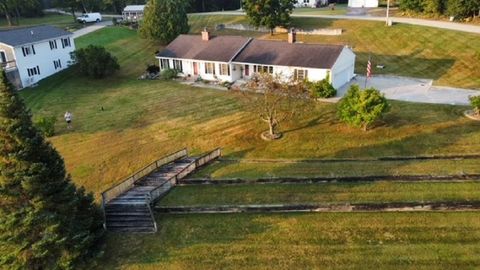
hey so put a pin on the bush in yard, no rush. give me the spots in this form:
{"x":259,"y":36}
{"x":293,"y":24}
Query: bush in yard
{"x":95,"y":61}
{"x":475,"y":102}
{"x":412,"y":5}
{"x":321,"y":89}
{"x":168,"y":74}
{"x":153,"y":69}
{"x":46,"y":125}
{"x":362,"y":108}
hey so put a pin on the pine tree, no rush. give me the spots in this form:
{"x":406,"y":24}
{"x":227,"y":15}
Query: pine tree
{"x":44,"y":220}
{"x":164,"y":20}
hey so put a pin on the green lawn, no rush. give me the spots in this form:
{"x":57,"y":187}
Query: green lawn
{"x":62,"y":21}
{"x":143,"y":120}
{"x":302,"y":241}
{"x":364,"y":192}
{"x":254,"y":170}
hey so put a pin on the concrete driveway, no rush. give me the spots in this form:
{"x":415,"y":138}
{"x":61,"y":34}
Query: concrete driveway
{"x":413,"y":90}
{"x":91,"y":28}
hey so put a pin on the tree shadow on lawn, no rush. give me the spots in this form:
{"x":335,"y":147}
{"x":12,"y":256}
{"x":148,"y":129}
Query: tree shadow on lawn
{"x":404,"y":65}
{"x":427,"y":143}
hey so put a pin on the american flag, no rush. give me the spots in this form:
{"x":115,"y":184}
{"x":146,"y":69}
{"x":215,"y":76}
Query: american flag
{"x":369,"y":68}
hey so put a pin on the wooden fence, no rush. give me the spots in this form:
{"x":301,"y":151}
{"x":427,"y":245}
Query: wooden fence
{"x":128,"y":183}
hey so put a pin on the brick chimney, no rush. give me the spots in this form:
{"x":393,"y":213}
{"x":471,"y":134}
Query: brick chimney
{"x":205,"y":34}
{"x":292,"y":36}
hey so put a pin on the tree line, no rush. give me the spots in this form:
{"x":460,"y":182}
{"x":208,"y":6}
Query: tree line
{"x":12,"y":10}
{"x":460,"y":9}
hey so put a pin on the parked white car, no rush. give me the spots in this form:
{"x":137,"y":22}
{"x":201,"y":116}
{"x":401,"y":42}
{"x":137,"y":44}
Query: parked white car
{"x":90,"y":17}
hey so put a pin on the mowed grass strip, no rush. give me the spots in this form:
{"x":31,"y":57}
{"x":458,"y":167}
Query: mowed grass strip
{"x":222,"y":170}
{"x":364,"y":192}
{"x":302,"y":241}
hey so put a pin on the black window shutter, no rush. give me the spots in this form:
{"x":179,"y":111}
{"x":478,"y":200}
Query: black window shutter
{"x":33,"y":49}
{"x":38,"y":70}
{"x":23,"y":50}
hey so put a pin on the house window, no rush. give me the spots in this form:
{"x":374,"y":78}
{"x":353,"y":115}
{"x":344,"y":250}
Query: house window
{"x":224,"y":69}
{"x":3,"y":57}
{"x":27,"y":50}
{"x":53,"y":44}
{"x":177,"y":65}
{"x":300,"y":74}
{"x":57,"y":64}
{"x":164,"y":64}
{"x":33,"y":71}
{"x":263,"y":69}
{"x":66,"y":42}
{"x":210,"y":68}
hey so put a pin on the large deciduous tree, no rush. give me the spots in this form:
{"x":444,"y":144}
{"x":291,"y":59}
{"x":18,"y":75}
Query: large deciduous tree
{"x":164,"y":20}
{"x":45,"y":221}
{"x":275,"y":100}
{"x":269,"y":13}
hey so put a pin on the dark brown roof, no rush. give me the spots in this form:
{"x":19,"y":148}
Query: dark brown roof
{"x":280,"y":53}
{"x":220,"y":48}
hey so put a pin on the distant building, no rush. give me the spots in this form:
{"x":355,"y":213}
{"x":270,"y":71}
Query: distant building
{"x":30,"y":54}
{"x":363,"y":3}
{"x":311,"y":3}
{"x":232,"y":58}
{"x":133,"y":13}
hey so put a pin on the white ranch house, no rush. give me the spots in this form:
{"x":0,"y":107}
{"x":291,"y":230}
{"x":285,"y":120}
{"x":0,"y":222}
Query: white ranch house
{"x":232,"y":58}
{"x":33,"y":53}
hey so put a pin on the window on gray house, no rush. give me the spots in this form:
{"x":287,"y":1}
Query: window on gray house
{"x":66,"y":42}
{"x":53,"y":44}
{"x":27,"y":50}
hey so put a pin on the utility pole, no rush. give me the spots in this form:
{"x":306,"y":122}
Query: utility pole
{"x":388,"y":13}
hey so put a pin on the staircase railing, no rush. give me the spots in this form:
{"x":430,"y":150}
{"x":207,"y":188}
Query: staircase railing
{"x":161,"y":190}
{"x":129,"y":182}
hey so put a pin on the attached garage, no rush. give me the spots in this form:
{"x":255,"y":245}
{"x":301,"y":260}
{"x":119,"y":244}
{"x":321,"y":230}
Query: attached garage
{"x":344,"y":68}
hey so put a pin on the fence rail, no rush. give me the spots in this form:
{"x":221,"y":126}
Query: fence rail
{"x":128,"y":183}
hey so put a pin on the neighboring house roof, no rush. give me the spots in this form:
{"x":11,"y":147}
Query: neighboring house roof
{"x":21,"y":36}
{"x":219,"y":48}
{"x":132,"y":8}
{"x":278,"y":53}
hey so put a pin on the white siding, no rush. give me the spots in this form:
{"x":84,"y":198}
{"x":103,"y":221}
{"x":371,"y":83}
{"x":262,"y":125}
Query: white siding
{"x":188,"y":70}
{"x":344,"y":69}
{"x":314,"y":74}
{"x":43,"y":58}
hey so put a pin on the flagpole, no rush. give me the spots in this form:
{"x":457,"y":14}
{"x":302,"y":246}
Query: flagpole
{"x":369,"y":63}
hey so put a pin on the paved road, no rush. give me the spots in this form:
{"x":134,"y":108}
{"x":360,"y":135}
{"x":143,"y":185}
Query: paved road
{"x":414,"y":90}
{"x":91,"y":28}
{"x":429,"y":23}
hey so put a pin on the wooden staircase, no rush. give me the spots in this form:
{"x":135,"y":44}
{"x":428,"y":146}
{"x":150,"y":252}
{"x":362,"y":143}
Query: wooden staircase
{"x":127,"y":206}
